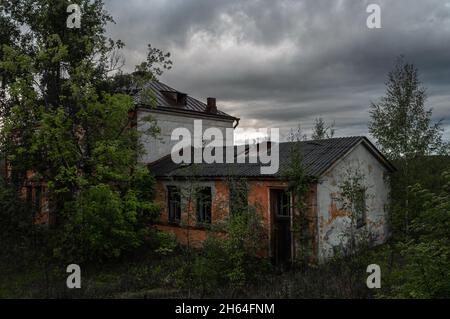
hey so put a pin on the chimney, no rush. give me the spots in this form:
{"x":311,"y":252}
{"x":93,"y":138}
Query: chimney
{"x":211,"y":105}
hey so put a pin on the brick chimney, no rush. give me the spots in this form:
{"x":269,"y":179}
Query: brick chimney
{"x":211,"y":105}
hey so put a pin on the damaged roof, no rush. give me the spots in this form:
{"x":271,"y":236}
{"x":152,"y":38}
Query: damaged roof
{"x":317,"y":157}
{"x":163,"y":101}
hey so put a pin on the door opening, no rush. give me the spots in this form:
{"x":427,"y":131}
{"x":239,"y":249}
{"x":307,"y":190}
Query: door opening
{"x":281,"y":227}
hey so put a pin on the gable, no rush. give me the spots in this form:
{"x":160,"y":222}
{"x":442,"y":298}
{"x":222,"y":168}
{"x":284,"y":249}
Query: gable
{"x":363,"y":146}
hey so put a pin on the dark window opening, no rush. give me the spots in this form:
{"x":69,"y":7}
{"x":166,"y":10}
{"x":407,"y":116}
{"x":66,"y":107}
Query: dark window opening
{"x":282,"y":203}
{"x":360,"y":208}
{"x":174,"y":204}
{"x":204,"y":199}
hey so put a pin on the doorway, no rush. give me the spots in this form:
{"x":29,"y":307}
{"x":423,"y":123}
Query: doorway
{"x":280,"y":212}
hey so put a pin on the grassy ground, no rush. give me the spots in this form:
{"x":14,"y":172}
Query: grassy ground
{"x":150,"y":276}
{"x":134,"y":278}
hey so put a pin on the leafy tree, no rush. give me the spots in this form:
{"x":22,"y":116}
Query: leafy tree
{"x":231,"y":256}
{"x":239,"y":189}
{"x":352,"y":196}
{"x":15,"y":222}
{"x":405,"y":133}
{"x":423,"y":270}
{"x":322,"y":130}
{"x":67,"y":118}
{"x":400,"y":121}
{"x":297,"y":134}
{"x":298,"y":187}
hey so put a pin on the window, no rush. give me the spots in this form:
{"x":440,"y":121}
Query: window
{"x":238,"y":197}
{"x":360,"y":207}
{"x":281,"y":202}
{"x":204,"y":205}
{"x":174,"y":204}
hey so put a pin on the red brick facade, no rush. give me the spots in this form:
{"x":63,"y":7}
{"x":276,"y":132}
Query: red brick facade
{"x":258,"y":197}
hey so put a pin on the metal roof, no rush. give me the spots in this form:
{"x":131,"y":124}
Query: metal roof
{"x":162,"y":102}
{"x":317,"y":157}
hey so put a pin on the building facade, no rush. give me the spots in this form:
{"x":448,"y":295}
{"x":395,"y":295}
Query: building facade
{"x":331,"y":224}
{"x":172,"y":109}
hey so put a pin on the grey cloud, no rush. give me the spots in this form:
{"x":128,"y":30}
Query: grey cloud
{"x":277,"y":63}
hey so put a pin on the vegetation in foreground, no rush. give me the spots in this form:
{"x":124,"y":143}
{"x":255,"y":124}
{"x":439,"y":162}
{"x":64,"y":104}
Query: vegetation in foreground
{"x":64,"y":110}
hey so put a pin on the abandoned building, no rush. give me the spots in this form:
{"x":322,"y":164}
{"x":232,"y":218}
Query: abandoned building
{"x":326,"y":163}
{"x":173,"y":109}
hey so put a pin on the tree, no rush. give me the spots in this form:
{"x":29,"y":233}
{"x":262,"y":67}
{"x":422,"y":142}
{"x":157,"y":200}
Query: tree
{"x":423,"y":270}
{"x":352,"y":197}
{"x":230,"y":257}
{"x":67,"y":119}
{"x":400,"y":121}
{"x":298,"y":186}
{"x":321,"y":130}
{"x":404,"y":131}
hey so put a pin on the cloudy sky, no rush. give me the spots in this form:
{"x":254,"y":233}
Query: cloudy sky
{"x":280,"y":63}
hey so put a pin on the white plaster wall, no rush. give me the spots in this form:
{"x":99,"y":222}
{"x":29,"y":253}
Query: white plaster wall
{"x":155,"y":148}
{"x":333,"y":229}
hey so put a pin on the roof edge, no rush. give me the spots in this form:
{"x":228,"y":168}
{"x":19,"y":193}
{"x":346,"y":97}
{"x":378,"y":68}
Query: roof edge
{"x":370,"y":147}
{"x":187,"y":112}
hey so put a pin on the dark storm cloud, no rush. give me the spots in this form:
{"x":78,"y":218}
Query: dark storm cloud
{"x":278,"y":63}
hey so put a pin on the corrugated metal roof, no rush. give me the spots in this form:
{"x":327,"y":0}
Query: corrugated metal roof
{"x":164,"y":103}
{"x":317,"y":157}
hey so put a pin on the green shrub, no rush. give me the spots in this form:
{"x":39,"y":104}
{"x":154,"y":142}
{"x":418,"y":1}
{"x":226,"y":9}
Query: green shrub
{"x":230,"y":260}
{"x":103,"y":224}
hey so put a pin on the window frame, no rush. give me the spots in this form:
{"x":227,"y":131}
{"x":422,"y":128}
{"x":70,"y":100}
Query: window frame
{"x":204,"y":207}
{"x":173,"y":197}
{"x":284,"y":202}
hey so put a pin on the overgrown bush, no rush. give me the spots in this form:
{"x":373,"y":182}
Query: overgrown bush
{"x":15,"y":221}
{"x":231,"y":257}
{"x":104,"y":222}
{"x":420,"y":268}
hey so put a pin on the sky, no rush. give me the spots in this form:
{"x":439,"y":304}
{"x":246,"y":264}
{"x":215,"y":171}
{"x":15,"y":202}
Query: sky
{"x":278,"y":64}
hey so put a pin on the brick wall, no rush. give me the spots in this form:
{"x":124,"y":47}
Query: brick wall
{"x":258,"y":196}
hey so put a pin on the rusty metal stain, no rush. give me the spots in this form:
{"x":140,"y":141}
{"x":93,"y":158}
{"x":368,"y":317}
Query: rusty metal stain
{"x":335,"y":212}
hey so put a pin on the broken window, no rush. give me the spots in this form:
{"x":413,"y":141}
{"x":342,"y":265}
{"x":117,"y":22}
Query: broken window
{"x":282,"y":203}
{"x":174,"y":204}
{"x":204,"y":200}
{"x":360,"y":207}
{"x":352,"y":197}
